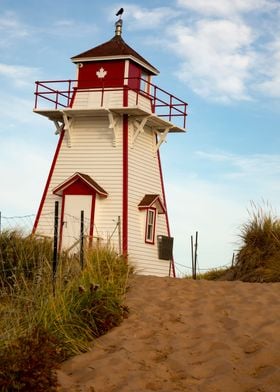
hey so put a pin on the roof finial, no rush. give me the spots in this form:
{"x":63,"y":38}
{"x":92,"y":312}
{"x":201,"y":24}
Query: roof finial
{"x":118,"y":24}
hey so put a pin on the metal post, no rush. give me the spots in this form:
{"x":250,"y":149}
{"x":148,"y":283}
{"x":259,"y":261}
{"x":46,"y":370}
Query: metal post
{"x":195,"y":254}
{"x":192,"y":257}
{"x":119,"y":235}
{"x":232,"y":260}
{"x":55,"y":244}
{"x":82,"y":240}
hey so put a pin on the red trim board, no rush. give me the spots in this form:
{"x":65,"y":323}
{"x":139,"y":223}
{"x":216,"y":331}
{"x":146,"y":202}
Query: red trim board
{"x":48,"y":182}
{"x":125,"y":186}
{"x":172,"y":266}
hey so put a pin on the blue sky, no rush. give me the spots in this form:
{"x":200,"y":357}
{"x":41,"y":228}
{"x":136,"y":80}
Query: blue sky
{"x":221,"y":56}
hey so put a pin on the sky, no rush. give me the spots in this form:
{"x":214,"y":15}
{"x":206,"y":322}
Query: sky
{"x":220,"y":56}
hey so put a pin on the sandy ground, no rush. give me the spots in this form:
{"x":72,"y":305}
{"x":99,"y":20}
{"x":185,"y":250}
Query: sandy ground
{"x":184,"y":335}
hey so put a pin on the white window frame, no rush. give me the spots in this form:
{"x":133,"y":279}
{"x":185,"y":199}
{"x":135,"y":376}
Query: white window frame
{"x":145,"y":83}
{"x":150,"y":225}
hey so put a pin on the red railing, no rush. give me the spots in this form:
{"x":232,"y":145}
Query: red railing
{"x":59,"y":94}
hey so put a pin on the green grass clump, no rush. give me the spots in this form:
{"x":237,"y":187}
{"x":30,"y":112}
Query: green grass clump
{"x":22,"y":255}
{"x":80,"y":305}
{"x":258,"y":259}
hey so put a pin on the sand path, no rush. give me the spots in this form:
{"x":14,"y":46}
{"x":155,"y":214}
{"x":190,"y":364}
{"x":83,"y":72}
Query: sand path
{"x":184,"y":335}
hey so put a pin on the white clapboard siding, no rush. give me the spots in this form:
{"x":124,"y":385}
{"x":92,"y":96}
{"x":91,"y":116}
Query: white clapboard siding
{"x":92,"y":152}
{"x":85,"y":99}
{"x":139,"y":100}
{"x":144,"y":178}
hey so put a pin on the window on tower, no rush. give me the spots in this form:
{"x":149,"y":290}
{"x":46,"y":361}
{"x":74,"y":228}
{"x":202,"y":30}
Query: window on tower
{"x":150,"y":225}
{"x":144,"y":85}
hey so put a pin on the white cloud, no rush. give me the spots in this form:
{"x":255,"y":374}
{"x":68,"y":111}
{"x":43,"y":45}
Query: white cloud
{"x":69,"y":28}
{"x":19,"y":75}
{"x":257,"y":168}
{"x":11,"y":29}
{"x":269,"y":59}
{"x":16,"y":111}
{"x":226,"y":7}
{"x":23,"y":170}
{"x":216,"y":57}
{"x":138,"y":17}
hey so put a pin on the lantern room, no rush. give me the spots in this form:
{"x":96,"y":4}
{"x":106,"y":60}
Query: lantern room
{"x":113,"y":64}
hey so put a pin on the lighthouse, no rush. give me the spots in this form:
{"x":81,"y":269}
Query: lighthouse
{"x":110,"y":122}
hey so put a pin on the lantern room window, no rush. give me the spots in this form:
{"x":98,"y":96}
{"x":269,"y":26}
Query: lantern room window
{"x":150,"y":226}
{"x":145,"y":82}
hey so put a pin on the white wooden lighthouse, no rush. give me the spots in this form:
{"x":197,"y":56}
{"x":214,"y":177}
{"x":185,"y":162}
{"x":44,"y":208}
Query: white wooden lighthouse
{"x":111,"y":122}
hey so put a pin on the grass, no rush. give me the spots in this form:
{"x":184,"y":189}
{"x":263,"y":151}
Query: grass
{"x":258,"y":259}
{"x":87,"y":303}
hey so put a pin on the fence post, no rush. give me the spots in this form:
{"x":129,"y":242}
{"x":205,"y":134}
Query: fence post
{"x":82,"y":240}
{"x":55,"y":244}
{"x":119,"y":235}
{"x":232,"y":260}
{"x":192,"y":257}
{"x":195,"y":254}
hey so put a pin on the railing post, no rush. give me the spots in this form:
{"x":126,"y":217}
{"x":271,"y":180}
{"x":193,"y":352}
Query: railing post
{"x":154,"y":98}
{"x":102,"y":93}
{"x":56,"y":99}
{"x":36,"y":94}
{"x":69,"y":92}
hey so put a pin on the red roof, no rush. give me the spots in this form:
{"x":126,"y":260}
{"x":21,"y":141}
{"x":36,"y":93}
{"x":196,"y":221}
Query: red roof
{"x":58,"y":190}
{"x":149,"y":200}
{"x":116,"y":47}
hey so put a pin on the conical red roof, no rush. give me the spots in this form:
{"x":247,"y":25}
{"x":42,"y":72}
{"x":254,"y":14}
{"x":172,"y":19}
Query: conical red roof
{"x":115,"y":48}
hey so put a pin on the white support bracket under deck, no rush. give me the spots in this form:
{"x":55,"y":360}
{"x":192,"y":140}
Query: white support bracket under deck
{"x":59,"y":126}
{"x":68,"y":127}
{"x":138,"y":127}
{"x":161,"y":137}
{"x":114,"y":122}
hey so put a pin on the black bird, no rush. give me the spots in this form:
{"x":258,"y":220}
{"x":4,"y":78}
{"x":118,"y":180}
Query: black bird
{"x":120,"y":12}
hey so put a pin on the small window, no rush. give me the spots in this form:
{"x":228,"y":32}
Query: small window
{"x":145,"y":85}
{"x":150,"y":226}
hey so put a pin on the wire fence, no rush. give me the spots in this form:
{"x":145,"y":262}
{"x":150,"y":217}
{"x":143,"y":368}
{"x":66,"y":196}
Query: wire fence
{"x":185,"y":270}
{"x":24,"y":225}
{"x":25,"y":252}
{"x":71,"y":236}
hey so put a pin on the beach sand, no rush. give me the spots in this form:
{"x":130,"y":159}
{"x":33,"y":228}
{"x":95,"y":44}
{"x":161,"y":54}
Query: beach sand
{"x":185,"y":335}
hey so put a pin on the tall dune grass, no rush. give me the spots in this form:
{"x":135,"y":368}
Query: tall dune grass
{"x":258,"y":258}
{"x":86,"y":304}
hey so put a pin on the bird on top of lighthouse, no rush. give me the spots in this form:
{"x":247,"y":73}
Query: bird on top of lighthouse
{"x":120,"y":12}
